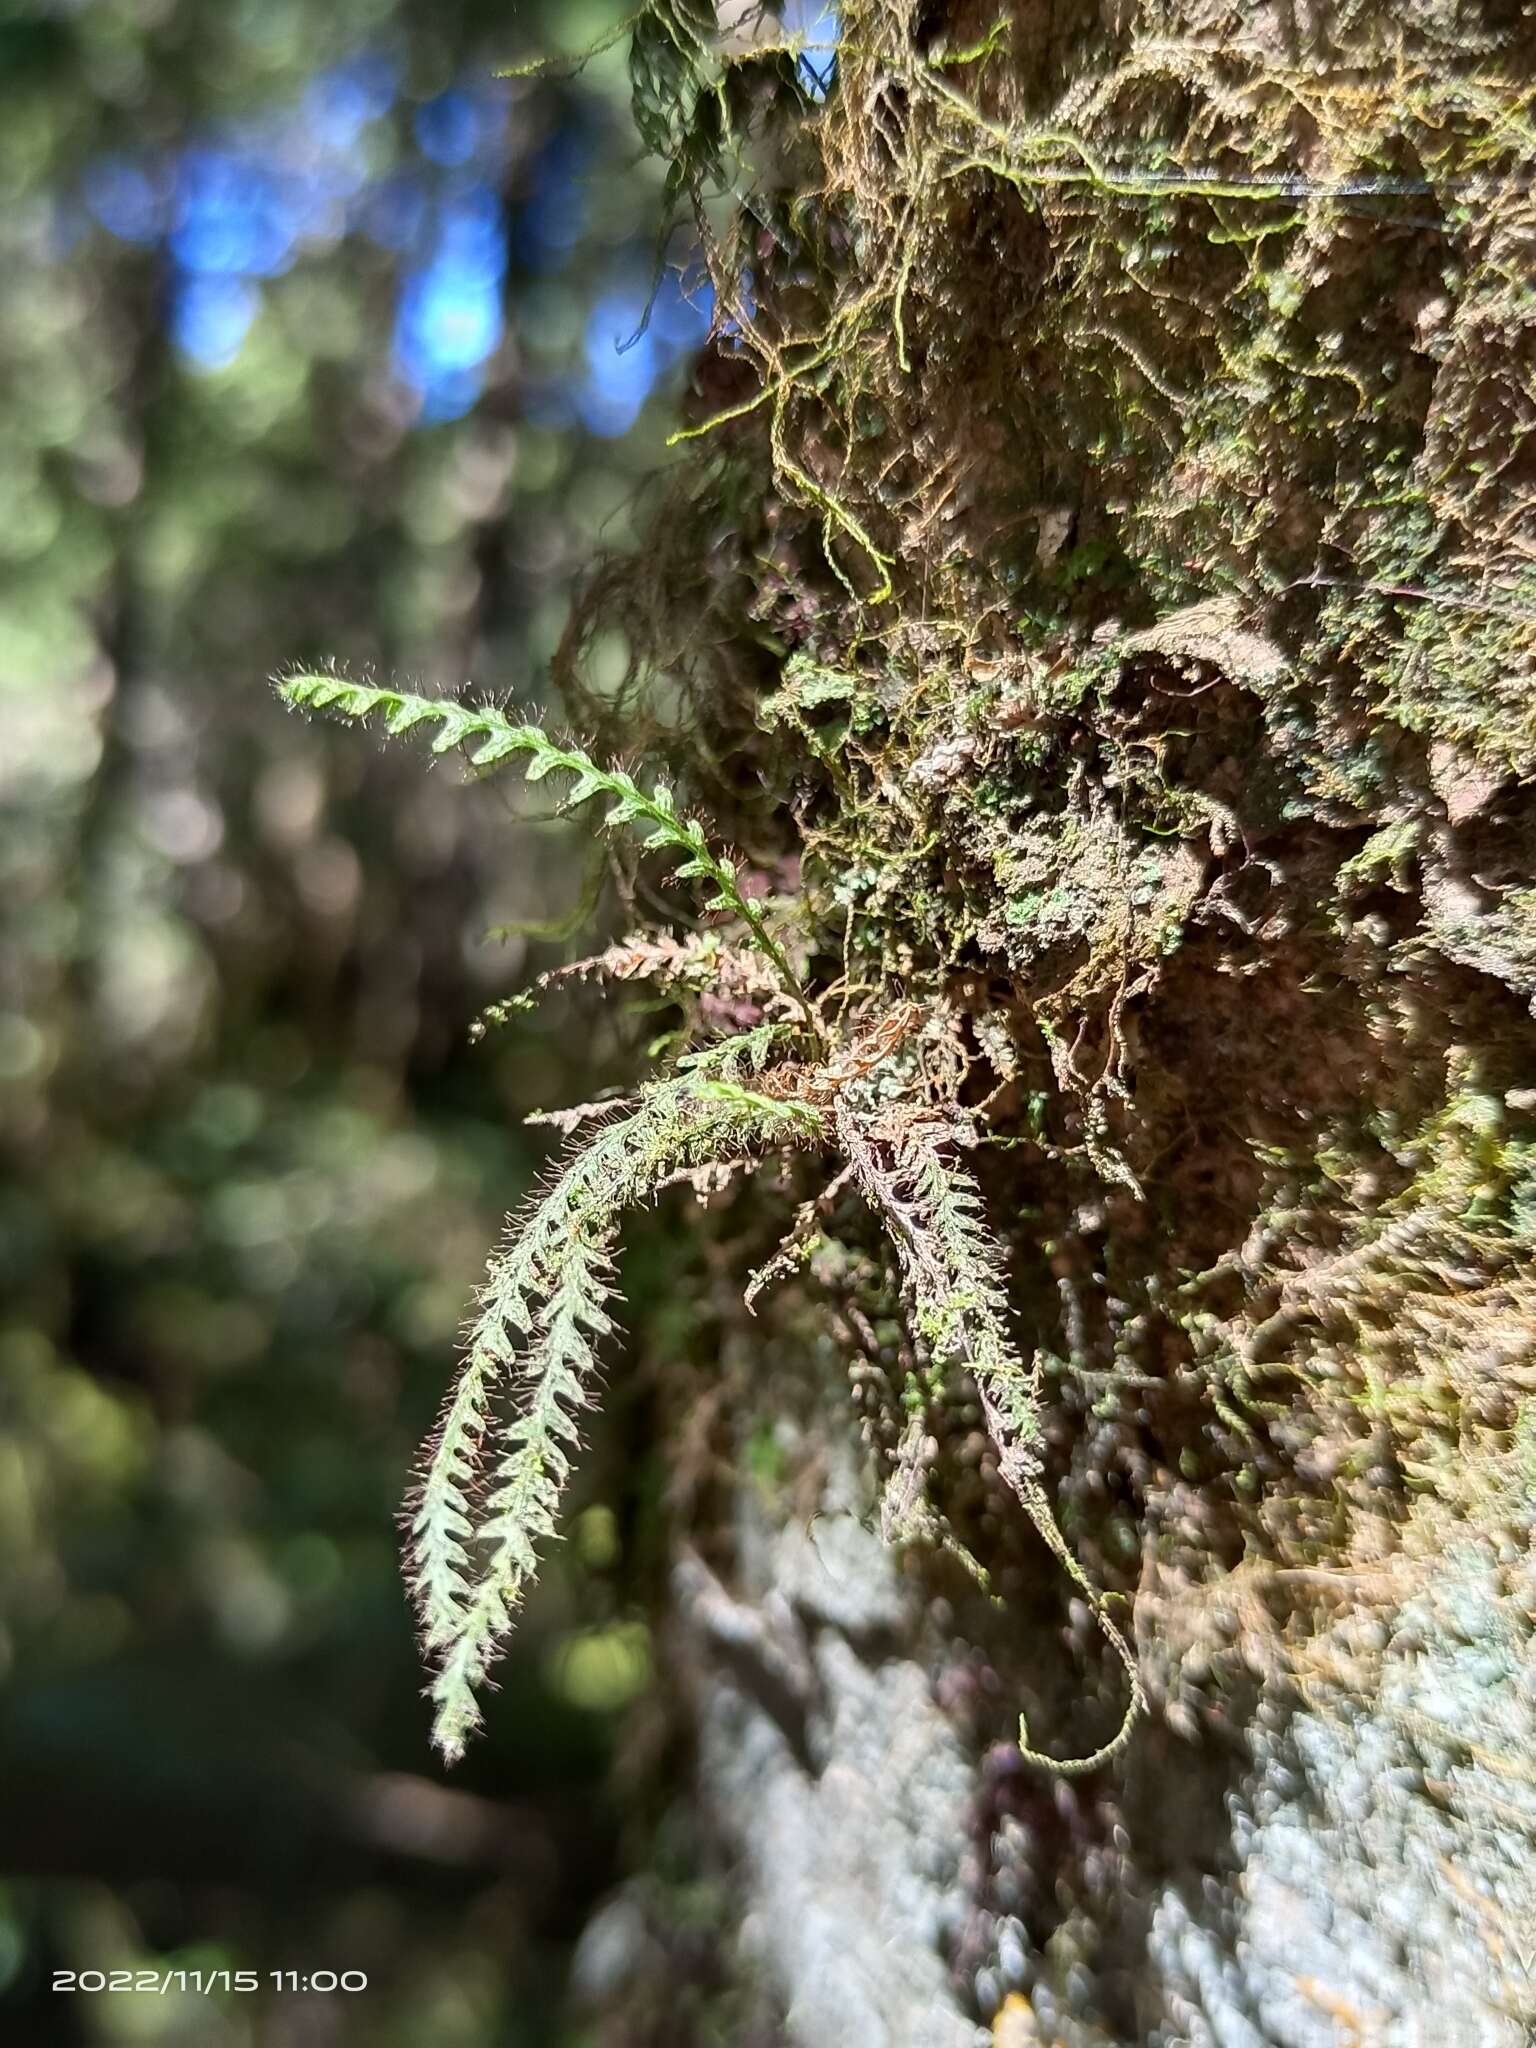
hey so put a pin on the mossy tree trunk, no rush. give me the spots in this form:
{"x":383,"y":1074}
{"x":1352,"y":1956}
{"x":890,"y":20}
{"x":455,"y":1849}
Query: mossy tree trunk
{"x":1104,"y":594}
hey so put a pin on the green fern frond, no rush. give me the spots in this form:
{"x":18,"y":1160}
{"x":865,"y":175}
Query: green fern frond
{"x":573,"y":66}
{"x":672,"y":68}
{"x":905,"y":1166}
{"x":750,"y":1049}
{"x":494,"y":738}
{"x":542,"y":1312}
{"x":933,"y":1210}
{"x":774,"y":1111}
{"x":474,"y":1533}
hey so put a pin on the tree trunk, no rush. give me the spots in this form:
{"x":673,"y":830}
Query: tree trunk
{"x":1155,"y":531}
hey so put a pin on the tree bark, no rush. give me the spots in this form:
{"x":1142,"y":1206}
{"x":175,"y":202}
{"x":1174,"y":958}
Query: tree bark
{"x":1250,"y":821}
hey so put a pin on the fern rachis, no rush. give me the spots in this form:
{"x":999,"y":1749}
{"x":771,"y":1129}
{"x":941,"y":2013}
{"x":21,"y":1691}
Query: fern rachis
{"x":494,"y":738}
{"x":497,"y":1464}
{"x":543,"y":1309}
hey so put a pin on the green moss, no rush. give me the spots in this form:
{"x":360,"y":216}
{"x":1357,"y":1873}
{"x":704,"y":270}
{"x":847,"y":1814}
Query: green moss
{"x":1072,"y":608}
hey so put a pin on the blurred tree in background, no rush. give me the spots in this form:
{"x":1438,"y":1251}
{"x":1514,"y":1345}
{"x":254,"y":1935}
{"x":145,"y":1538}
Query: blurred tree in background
{"x":310,"y":348}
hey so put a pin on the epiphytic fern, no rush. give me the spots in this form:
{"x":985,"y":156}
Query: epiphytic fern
{"x":497,"y":1463}
{"x":543,"y":1308}
{"x":494,"y":738}
{"x":903,"y":1161}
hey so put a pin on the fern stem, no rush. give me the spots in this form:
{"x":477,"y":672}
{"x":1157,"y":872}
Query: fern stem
{"x":495,"y":737}
{"x":472,"y":1544}
{"x":933,"y":1210}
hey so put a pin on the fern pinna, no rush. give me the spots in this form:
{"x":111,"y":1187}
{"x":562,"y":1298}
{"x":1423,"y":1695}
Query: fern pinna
{"x":496,"y":1465}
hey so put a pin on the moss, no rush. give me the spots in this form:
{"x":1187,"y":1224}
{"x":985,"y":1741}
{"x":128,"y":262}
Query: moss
{"x":1105,"y":596}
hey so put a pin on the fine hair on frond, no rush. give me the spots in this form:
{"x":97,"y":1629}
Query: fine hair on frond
{"x":495,"y":1468}
{"x":498,"y":1461}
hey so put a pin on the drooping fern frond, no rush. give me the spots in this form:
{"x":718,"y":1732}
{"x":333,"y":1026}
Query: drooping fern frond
{"x":541,"y":1314}
{"x":903,"y":1162}
{"x":497,"y":1464}
{"x":494,"y":738}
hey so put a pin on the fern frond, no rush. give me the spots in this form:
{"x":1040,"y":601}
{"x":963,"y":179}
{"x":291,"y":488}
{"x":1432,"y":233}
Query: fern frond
{"x":904,"y":1165}
{"x":494,"y":738}
{"x":542,"y":1312}
{"x":775,"y":1112}
{"x":696,"y":964}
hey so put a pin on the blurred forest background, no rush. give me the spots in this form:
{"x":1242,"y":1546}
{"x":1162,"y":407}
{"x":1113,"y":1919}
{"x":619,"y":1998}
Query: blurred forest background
{"x":310,"y":347}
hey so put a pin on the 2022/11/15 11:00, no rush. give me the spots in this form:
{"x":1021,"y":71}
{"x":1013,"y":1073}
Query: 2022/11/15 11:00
{"x":207,"y":1982}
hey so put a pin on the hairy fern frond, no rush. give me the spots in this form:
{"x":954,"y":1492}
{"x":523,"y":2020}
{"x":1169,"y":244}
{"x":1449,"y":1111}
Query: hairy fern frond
{"x":472,"y":1550}
{"x":494,"y":738}
{"x":903,"y":1162}
{"x":697,"y":964}
{"x":496,"y":1466}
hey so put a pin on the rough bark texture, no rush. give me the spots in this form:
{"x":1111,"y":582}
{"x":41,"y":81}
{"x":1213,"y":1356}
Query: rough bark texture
{"x":1356,"y":1869}
{"x":838,"y":1785}
{"x":1117,"y":564}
